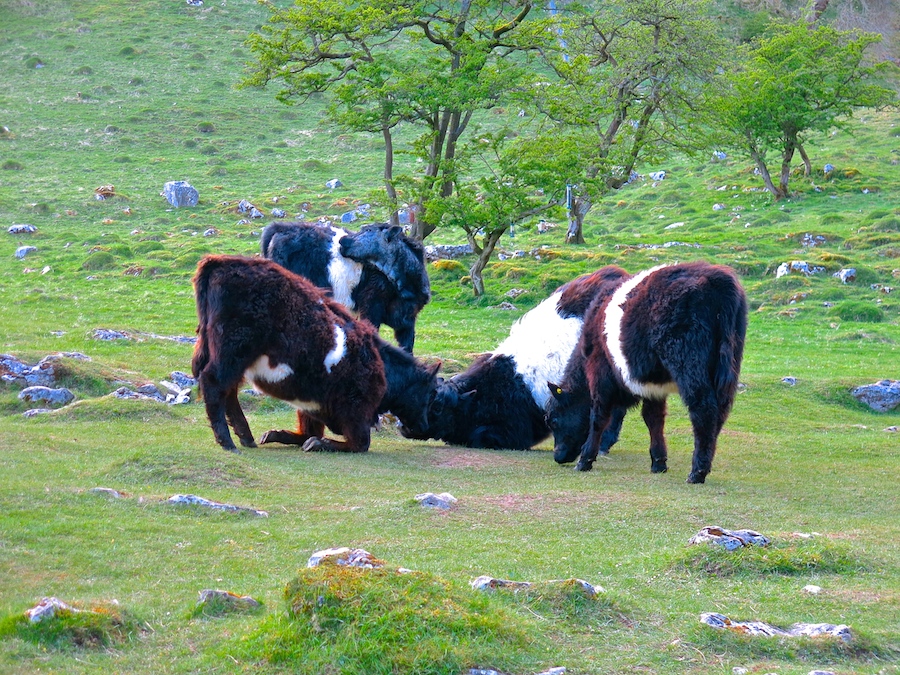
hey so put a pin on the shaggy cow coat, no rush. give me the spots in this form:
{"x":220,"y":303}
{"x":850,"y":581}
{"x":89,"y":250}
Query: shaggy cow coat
{"x":675,"y":328}
{"x":500,"y":401}
{"x":385,"y":286}
{"x":262,"y":323}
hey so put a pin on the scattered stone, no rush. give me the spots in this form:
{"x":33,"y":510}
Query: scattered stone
{"x":657,"y":175}
{"x":721,"y":621}
{"x":150,"y":390}
{"x":828,"y":169}
{"x":846,"y":275}
{"x":892,"y":429}
{"x":514,"y":293}
{"x":347,"y":557}
{"x":489,"y":583}
{"x":108,"y":492}
{"x":182,"y":380}
{"x":674,"y":225}
{"x":447,"y":251}
{"x":278,"y":213}
{"x":177,"y":395}
{"x":442,"y":501}
{"x":789,"y":380}
{"x":719,"y":207}
{"x":333,"y":184}
{"x":729,"y":539}
{"x":41,"y":375}
{"x":34,"y":412}
{"x":544,"y":226}
{"x":208,"y":503}
{"x":227,"y":600}
{"x":811,"y":241}
{"x":800,"y":266}
{"x":882,"y":396}
{"x":211,"y":232}
{"x":108,"y":335}
{"x":180,"y":193}
{"x":60,"y":397}
{"x":504,"y":306}
{"x":22,"y":251}
{"x":812,"y":589}
{"x":48,"y":608}
{"x":22,"y":228}
{"x":820,"y":672}
{"x":256,"y":213}
{"x":719,"y":155}
{"x":739,"y":671}
{"x":195,"y":3}
{"x":348,"y":217}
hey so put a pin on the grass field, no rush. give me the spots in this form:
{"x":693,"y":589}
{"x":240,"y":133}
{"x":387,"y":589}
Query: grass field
{"x":134,"y":94}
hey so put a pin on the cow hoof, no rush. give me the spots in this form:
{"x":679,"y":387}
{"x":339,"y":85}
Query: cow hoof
{"x":231,"y":449}
{"x":584,"y":466}
{"x":265,"y":438}
{"x":602,"y":453}
{"x":659,"y":468}
{"x":248,"y":444}
{"x":315,"y":445}
{"x":697,"y":477}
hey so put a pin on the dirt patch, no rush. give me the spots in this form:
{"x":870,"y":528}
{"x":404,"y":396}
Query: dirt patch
{"x":553,"y":501}
{"x":456,"y":458}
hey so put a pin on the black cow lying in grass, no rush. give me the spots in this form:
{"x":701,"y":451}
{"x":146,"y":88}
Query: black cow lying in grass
{"x":378,"y":272}
{"x":260,"y":322}
{"x":674,"y":328}
{"x":500,"y":401}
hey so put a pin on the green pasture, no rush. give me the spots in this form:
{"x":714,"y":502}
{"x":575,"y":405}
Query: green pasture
{"x":134,"y":94}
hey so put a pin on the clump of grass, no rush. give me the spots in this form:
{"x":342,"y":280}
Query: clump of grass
{"x":101,"y":260}
{"x":789,"y":558}
{"x":128,"y":52}
{"x":209,"y":150}
{"x":206,"y":127}
{"x":34,"y":62}
{"x":349,"y":620}
{"x":83,"y":70}
{"x":857,"y":310}
{"x":100,"y":625}
{"x":12,"y":165}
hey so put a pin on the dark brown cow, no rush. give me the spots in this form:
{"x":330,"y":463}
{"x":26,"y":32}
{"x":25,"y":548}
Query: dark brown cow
{"x":262,"y":323}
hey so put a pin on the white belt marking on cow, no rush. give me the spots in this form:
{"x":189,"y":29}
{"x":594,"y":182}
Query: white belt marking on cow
{"x":262,"y":370}
{"x":612,"y":330}
{"x":343,"y":273}
{"x":540,"y":344}
{"x":340,"y":348}
{"x":305,"y":406}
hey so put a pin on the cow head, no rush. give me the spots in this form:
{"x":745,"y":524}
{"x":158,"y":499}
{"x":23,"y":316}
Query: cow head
{"x":387,"y":249}
{"x":568,"y":416}
{"x":419,"y":393}
{"x":447,"y":405}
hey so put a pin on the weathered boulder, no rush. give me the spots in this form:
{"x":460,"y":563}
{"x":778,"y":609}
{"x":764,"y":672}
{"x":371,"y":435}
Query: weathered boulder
{"x":882,"y":396}
{"x":446,"y":252}
{"x":333,"y":183}
{"x":729,"y":539}
{"x":442,"y":501}
{"x":108,"y":335}
{"x":22,"y":251}
{"x":194,"y":500}
{"x":347,"y":557}
{"x":22,"y":228}
{"x":43,"y":374}
{"x":58,"y":397}
{"x":226,"y":601}
{"x":846,"y":275}
{"x":761,"y":628}
{"x":183,"y":380}
{"x":180,"y":193}
{"x":48,"y":608}
{"x":489,"y":583}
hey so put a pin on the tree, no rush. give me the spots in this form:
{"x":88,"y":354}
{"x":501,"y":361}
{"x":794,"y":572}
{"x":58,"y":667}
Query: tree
{"x":627,"y":80}
{"x":795,"y":81}
{"x":389,"y":61}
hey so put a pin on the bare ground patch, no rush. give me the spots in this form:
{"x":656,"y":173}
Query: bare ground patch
{"x":464,"y":458}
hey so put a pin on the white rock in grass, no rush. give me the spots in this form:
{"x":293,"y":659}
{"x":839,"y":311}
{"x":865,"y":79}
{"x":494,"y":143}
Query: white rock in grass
{"x":47,"y":608}
{"x":442,"y":501}
{"x":210,"y":504}
{"x":761,"y":628}
{"x":729,"y":539}
{"x":345,"y":556}
{"x":812,"y":589}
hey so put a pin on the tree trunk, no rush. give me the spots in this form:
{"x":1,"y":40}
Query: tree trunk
{"x":764,"y":172}
{"x":786,"y":158}
{"x":815,"y":11}
{"x":389,"y":173}
{"x":580,"y":208}
{"x":807,"y":165}
{"x":484,"y":257}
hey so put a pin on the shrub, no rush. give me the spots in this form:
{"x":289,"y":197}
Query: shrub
{"x":206,"y":127}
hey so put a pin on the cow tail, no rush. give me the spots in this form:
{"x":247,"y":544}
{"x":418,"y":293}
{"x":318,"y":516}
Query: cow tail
{"x":201,"y":292}
{"x":733,"y":324}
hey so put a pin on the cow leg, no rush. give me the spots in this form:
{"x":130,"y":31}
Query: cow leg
{"x":358,"y":438}
{"x":214,"y":398}
{"x":307,"y":428}
{"x":654,"y":414}
{"x":600,"y":415}
{"x":704,"y":414}
{"x":237,"y":420}
{"x":406,"y":337}
{"x":614,"y":428}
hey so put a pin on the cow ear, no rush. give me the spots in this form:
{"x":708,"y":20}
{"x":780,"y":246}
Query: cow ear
{"x":393,"y":232}
{"x":433,"y":370}
{"x":556,"y":390}
{"x":468,"y":395}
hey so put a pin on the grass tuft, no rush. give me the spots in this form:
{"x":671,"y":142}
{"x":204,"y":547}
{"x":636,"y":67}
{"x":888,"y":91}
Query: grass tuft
{"x":97,"y":626}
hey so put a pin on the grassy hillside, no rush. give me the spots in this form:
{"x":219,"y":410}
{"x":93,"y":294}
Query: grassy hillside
{"x":134,"y":94}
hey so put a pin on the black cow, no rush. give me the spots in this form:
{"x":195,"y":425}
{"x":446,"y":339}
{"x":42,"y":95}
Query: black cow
{"x":260,"y":322}
{"x":382,"y":277}
{"x":500,"y":401}
{"x":675,"y":328}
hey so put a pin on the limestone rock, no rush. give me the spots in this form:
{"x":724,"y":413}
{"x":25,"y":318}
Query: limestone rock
{"x":108,"y":492}
{"x":180,"y":193}
{"x":347,"y":557}
{"x":729,"y":539}
{"x":882,"y":396}
{"x":227,"y":600}
{"x":716,"y":620}
{"x":22,"y":251}
{"x":446,"y":252}
{"x":108,"y":335}
{"x":34,"y":412}
{"x":48,"y":608}
{"x":846,"y":275}
{"x":59,"y":397}
{"x":210,"y":504}
{"x":22,"y":228}
{"x":442,"y":501}
{"x":333,"y":183}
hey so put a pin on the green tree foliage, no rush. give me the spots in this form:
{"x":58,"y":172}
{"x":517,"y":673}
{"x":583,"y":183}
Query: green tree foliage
{"x":384,"y":62}
{"x":626,"y":81}
{"x":794,"y":81}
